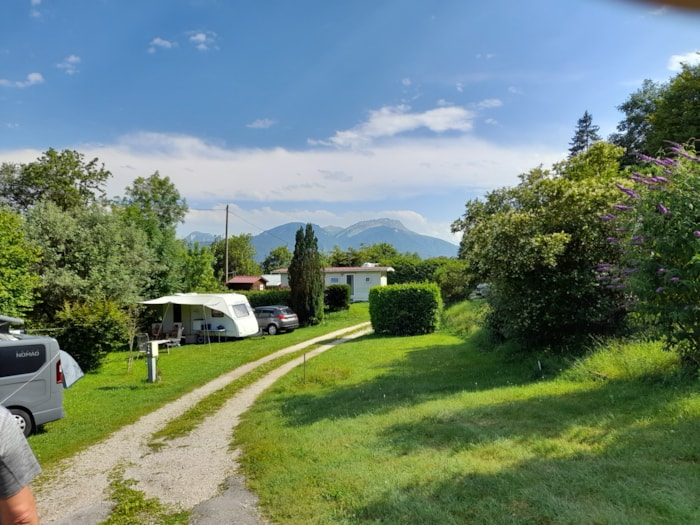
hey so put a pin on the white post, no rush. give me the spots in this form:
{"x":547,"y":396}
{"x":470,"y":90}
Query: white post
{"x":152,"y":357}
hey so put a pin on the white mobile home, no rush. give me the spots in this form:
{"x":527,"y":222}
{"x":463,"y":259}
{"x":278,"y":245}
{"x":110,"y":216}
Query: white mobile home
{"x":207,"y":315}
{"x":359,"y":278}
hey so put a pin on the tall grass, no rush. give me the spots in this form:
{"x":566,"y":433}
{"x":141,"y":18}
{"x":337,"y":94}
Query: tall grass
{"x":438,"y":429}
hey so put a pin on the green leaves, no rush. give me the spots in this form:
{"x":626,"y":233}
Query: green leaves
{"x":537,"y":244}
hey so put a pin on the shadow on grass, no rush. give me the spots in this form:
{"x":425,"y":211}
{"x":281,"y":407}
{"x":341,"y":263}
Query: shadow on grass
{"x":419,"y":375}
{"x":642,"y":476}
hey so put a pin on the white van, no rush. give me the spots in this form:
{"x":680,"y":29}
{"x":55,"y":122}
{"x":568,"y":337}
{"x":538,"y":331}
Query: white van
{"x":31,"y":379}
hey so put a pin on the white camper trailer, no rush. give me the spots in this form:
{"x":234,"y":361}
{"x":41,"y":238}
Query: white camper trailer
{"x":206,"y":317}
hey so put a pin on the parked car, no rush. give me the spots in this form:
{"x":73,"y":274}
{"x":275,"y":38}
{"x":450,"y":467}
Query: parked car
{"x":273,"y":319}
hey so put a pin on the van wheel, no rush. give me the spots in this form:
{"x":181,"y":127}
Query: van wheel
{"x":272,"y":329}
{"x":24,"y":420}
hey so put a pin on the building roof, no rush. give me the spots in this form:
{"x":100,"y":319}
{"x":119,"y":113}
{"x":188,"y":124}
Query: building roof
{"x":246,"y":279}
{"x":347,"y":269}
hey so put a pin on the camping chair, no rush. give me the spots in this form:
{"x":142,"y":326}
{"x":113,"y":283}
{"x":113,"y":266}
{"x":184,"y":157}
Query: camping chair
{"x":156,"y":330}
{"x":142,"y":344}
{"x":175,"y":336}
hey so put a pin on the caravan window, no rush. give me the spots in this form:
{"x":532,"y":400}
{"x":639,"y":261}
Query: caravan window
{"x":25,"y":359}
{"x":240,"y":310}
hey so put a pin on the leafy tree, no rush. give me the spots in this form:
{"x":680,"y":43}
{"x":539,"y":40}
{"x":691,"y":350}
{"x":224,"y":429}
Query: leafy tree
{"x":154,"y":205}
{"x":306,"y":278}
{"x":91,"y":330}
{"x":677,"y":114}
{"x":279,"y":257}
{"x":199,"y":270}
{"x":339,"y":258}
{"x":17,"y":257}
{"x":241,"y":257}
{"x":455,"y":280}
{"x":377,"y":253}
{"x":411,"y":269}
{"x":538,"y":244}
{"x":63,"y":178}
{"x":585,"y":136}
{"x":659,"y":231}
{"x":87,"y":254}
{"x":635,"y":129}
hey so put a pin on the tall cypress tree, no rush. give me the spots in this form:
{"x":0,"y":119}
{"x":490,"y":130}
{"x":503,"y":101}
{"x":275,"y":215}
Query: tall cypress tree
{"x":584,"y":137}
{"x":306,"y":278}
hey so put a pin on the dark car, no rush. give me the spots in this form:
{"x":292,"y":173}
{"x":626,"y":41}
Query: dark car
{"x":273,"y":319}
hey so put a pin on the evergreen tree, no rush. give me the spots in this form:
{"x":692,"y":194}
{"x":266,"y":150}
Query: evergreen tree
{"x":586,"y":134}
{"x":306,"y":278}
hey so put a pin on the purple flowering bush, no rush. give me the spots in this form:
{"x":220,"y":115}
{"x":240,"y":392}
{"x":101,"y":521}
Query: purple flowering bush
{"x":658,"y":232}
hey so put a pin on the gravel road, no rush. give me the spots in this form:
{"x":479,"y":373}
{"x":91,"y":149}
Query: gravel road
{"x":188,"y":472}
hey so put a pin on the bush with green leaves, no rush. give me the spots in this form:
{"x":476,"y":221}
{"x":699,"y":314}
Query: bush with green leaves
{"x":267,"y":297}
{"x":658,"y":228}
{"x":91,"y":330}
{"x":336,"y":297}
{"x":405,"y":309}
{"x":538,"y":244}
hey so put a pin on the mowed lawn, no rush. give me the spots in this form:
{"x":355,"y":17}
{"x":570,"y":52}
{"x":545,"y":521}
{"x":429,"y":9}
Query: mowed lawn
{"x":435,"y":430}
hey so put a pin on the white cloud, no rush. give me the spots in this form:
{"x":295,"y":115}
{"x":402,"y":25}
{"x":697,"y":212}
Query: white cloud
{"x":34,"y":11}
{"x":691,"y":58}
{"x":69,"y":64}
{"x":160,"y":43}
{"x":459,"y":86}
{"x":489,"y":103}
{"x":32,"y":79}
{"x":406,"y":82}
{"x":390,"y":121}
{"x":262,"y":123}
{"x":387,"y":175}
{"x":203,"y":40}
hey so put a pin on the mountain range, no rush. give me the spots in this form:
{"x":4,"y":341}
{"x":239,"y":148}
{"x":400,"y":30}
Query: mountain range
{"x":362,"y":233}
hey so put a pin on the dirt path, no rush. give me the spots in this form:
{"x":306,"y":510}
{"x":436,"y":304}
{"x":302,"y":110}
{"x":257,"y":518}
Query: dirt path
{"x":187,"y":472}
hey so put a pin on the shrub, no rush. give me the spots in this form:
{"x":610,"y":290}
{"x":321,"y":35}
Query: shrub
{"x":658,"y":232}
{"x":268,"y":297}
{"x":91,"y":330}
{"x":405,"y":309}
{"x":336,"y":297}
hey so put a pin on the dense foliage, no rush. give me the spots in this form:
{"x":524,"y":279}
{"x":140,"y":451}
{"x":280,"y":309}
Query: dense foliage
{"x":405,"y":309}
{"x":91,"y":330}
{"x":336,"y":297}
{"x":306,"y":278}
{"x":658,"y":219}
{"x":17,"y":258}
{"x":660,"y":112}
{"x":267,"y":297}
{"x":241,"y":253}
{"x":538,"y":244}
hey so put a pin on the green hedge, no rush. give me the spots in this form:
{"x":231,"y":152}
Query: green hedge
{"x":267,"y":297}
{"x":405,"y":309}
{"x":336,"y":297}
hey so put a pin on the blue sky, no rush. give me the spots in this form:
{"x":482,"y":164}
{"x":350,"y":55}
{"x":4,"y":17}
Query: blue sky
{"x":323,"y":111}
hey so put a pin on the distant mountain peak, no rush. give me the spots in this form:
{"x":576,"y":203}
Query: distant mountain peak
{"x":367,"y":233}
{"x":363,"y":226}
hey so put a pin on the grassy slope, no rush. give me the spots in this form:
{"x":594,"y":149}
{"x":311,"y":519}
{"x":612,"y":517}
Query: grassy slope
{"x":431,"y":429}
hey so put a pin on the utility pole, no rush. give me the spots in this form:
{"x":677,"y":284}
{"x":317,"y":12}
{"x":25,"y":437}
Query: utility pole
{"x":226,"y":249}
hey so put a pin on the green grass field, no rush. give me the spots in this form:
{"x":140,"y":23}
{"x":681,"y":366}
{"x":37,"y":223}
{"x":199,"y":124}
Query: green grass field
{"x":435,"y":430}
